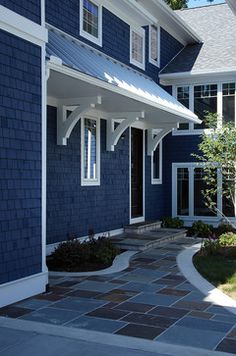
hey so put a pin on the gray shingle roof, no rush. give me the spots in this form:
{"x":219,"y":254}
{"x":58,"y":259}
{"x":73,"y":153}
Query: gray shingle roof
{"x":216,"y":25}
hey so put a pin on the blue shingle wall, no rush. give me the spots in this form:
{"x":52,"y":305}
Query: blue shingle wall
{"x":72,"y":208}
{"x":116,"y":34}
{"x":20,"y":158}
{"x":176,"y":149}
{"x":27,"y":8}
{"x":169,"y":47}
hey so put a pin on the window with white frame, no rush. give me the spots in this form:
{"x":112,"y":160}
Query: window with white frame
{"x":228,"y":102}
{"x":183,"y":98}
{"x":188,"y":201}
{"x":90,"y":151}
{"x":156,"y":165}
{"x":154,"y":45}
{"x":137,"y":47}
{"x":91,"y":21}
{"x":215,"y":98}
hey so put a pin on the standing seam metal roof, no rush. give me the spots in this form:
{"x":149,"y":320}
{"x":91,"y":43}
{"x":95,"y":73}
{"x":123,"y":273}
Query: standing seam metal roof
{"x":83,"y":58}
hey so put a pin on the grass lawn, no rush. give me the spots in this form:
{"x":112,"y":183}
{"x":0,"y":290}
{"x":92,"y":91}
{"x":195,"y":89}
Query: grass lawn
{"x":218,"y":270}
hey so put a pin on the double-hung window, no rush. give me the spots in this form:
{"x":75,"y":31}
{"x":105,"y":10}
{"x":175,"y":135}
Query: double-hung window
{"x":91,"y":21}
{"x":228,"y":102}
{"x":156,"y":165}
{"x":183,"y":98}
{"x":90,"y":151}
{"x":154,"y":45}
{"x":205,"y":100}
{"x":137,"y":47}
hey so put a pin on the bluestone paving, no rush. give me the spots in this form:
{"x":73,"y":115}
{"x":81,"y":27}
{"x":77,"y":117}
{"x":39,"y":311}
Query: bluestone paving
{"x":149,"y":300}
{"x":98,"y":324}
{"x":191,"y":337}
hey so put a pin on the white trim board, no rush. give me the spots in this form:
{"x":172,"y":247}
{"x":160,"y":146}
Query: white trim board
{"x":51,"y":247}
{"x":20,"y":289}
{"x":22,"y":27}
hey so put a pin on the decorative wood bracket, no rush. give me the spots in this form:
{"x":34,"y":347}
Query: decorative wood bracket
{"x":154,"y":137}
{"x":113,"y":134}
{"x":66,"y":124}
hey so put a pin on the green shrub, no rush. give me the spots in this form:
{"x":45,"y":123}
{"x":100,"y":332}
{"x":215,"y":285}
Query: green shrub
{"x":224,"y":228}
{"x":72,"y":254}
{"x":172,"y":223}
{"x":210,"y":247}
{"x":227,"y":239}
{"x":200,"y":229}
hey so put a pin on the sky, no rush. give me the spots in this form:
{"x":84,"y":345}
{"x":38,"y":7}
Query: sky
{"x":196,"y":3}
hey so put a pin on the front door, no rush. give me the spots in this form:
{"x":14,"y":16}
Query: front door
{"x":136,"y":173}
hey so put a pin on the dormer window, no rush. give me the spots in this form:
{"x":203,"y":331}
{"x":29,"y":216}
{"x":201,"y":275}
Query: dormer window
{"x":154,"y":45}
{"x":137,"y":47}
{"x":91,"y":21}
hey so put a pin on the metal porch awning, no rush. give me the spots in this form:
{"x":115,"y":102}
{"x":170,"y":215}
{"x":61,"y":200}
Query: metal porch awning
{"x":84,"y":80}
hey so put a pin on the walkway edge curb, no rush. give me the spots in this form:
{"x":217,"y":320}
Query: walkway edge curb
{"x":132,"y":343}
{"x":120,"y":263}
{"x":213,"y":294}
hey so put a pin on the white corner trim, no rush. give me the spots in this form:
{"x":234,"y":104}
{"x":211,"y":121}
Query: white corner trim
{"x":20,"y":289}
{"x":22,"y":27}
{"x":120,"y":263}
{"x":213,"y":294}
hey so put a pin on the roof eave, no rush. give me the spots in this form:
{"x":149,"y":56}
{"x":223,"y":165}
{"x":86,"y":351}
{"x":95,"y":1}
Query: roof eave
{"x":171,"y":78}
{"x":177,"y":20}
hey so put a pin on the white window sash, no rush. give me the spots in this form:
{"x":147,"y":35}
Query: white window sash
{"x":140,"y":32}
{"x":85,"y":34}
{"x":90,"y":181}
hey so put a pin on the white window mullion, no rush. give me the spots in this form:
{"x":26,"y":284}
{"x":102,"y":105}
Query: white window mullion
{"x":191,"y":191}
{"x":219,"y":192}
{"x":219,"y":104}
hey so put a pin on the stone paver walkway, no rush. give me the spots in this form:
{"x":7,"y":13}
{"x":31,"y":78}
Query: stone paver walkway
{"x":149,"y":300}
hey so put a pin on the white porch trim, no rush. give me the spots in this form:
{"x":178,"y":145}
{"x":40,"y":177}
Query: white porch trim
{"x":22,"y":27}
{"x":20,"y":289}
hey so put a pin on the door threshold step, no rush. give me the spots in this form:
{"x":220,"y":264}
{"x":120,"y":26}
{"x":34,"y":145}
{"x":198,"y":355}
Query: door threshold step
{"x":142,"y":227}
{"x":147,"y":240}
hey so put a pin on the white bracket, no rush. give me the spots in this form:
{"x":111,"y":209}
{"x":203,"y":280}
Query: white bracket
{"x":113,"y":135}
{"x":154,"y":137}
{"x":66,"y":124}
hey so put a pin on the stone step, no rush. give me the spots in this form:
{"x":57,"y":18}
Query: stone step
{"x":150,"y":239}
{"x":142,"y":227}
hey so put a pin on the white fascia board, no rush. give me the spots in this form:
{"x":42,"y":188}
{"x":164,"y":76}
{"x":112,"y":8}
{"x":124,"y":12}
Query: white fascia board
{"x":192,"y":77}
{"x":129,"y":11}
{"x":22,"y":27}
{"x":171,"y":22}
{"x":177,"y":20}
{"x":132,"y":95}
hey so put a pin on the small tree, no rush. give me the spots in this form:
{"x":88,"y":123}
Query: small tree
{"x":218,"y":154}
{"x":177,"y":4}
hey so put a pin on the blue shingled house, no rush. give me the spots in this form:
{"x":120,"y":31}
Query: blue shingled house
{"x":101,"y":106}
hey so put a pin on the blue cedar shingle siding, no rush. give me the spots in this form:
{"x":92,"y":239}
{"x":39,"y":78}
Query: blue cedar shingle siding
{"x":116,"y":34}
{"x":176,"y":149}
{"x":74,"y":209}
{"x":20,"y":158}
{"x":31,"y":9}
{"x":169,"y":47}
